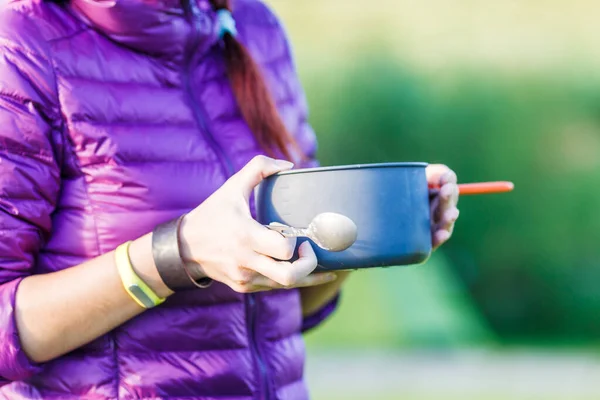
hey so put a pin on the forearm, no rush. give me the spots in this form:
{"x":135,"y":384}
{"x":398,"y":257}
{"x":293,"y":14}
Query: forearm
{"x":315,"y":297}
{"x":61,"y":311}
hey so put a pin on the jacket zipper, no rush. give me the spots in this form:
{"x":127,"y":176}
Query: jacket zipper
{"x":261,"y":366}
{"x":197,"y":109}
{"x":228,"y":170}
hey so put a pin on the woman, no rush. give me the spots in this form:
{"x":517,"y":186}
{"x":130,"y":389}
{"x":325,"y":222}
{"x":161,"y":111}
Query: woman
{"x":116,"y":119}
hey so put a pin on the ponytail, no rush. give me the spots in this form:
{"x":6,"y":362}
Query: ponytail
{"x":253,"y":98}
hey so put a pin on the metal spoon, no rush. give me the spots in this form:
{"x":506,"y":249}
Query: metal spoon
{"x":329,"y":231}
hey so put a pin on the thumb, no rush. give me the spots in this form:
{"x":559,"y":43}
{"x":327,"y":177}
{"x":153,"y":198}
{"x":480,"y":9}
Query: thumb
{"x":255,"y":171}
{"x":439,"y":174}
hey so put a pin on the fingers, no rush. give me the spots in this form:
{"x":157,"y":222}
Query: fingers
{"x":255,"y":171}
{"x":263,"y":273}
{"x":444,"y":202}
{"x":446,"y":215}
{"x":270,"y":243}
{"x":435,"y":172}
{"x":434,"y":205}
{"x":317,"y":279}
{"x":448,"y":177}
{"x":448,"y":219}
{"x":443,"y":230}
{"x":263,"y":283}
{"x":447,"y":200}
{"x":440,"y":237}
{"x":443,"y":205}
{"x":284,"y":273}
{"x":438,"y":176}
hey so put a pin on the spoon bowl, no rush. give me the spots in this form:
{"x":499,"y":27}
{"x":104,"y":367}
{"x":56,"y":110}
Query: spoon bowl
{"x":330,"y":231}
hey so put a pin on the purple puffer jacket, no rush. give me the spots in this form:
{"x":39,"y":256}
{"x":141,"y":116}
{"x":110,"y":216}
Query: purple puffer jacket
{"x":116,"y":116}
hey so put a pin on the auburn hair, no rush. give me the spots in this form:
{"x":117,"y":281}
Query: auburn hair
{"x":252,"y":95}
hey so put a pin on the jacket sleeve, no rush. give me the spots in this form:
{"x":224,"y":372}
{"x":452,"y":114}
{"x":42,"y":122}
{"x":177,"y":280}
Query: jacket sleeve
{"x":29,"y":181}
{"x":311,"y":321}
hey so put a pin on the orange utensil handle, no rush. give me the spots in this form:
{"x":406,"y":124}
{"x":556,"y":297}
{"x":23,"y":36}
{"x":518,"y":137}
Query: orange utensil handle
{"x":466,"y":189}
{"x":485,"y":188}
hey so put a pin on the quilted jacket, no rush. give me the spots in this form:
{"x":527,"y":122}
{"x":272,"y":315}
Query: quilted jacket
{"x":116,"y":116}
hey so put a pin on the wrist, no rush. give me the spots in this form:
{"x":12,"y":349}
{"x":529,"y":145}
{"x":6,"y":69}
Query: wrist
{"x":196,"y":270}
{"x":184,"y":245}
{"x":140,"y":254}
{"x":173,"y":259}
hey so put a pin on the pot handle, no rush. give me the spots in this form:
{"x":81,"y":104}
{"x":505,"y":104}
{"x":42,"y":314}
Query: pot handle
{"x":466,"y":189}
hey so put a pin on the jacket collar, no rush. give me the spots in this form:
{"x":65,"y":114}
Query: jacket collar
{"x":161,"y":28}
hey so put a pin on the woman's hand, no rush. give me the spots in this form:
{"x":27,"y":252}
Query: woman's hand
{"x":443,"y":202}
{"x":221,"y":240}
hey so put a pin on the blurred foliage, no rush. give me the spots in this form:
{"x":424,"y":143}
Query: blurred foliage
{"x":528,"y":259}
{"x":417,"y":306}
{"x":498,"y":91}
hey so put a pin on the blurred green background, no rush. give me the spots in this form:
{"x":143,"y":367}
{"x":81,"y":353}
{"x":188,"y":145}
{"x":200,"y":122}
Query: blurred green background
{"x":498,"y":90}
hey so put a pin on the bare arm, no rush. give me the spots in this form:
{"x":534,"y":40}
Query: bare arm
{"x":61,"y":311}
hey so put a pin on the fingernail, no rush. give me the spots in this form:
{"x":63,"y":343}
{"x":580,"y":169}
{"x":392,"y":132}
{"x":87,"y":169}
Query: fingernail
{"x":291,"y":241}
{"x":329,"y":277}
{"x":449,"y":177}
{"x":305,"y":246}
{"x":443,"y":236}
{"x":284,"y":164}
{"x":454,"y":213}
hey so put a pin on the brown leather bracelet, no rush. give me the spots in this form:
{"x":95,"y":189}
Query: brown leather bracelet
{"x":167,"y":257}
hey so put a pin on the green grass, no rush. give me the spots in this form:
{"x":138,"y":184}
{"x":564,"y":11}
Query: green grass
{"x":408,"y":396}
{"x":403,"y":396}
{"x":416,"y":396}
{"x":423,"y":306}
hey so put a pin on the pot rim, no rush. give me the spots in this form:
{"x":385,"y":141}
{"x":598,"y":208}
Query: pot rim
{"x":355,"y":167}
